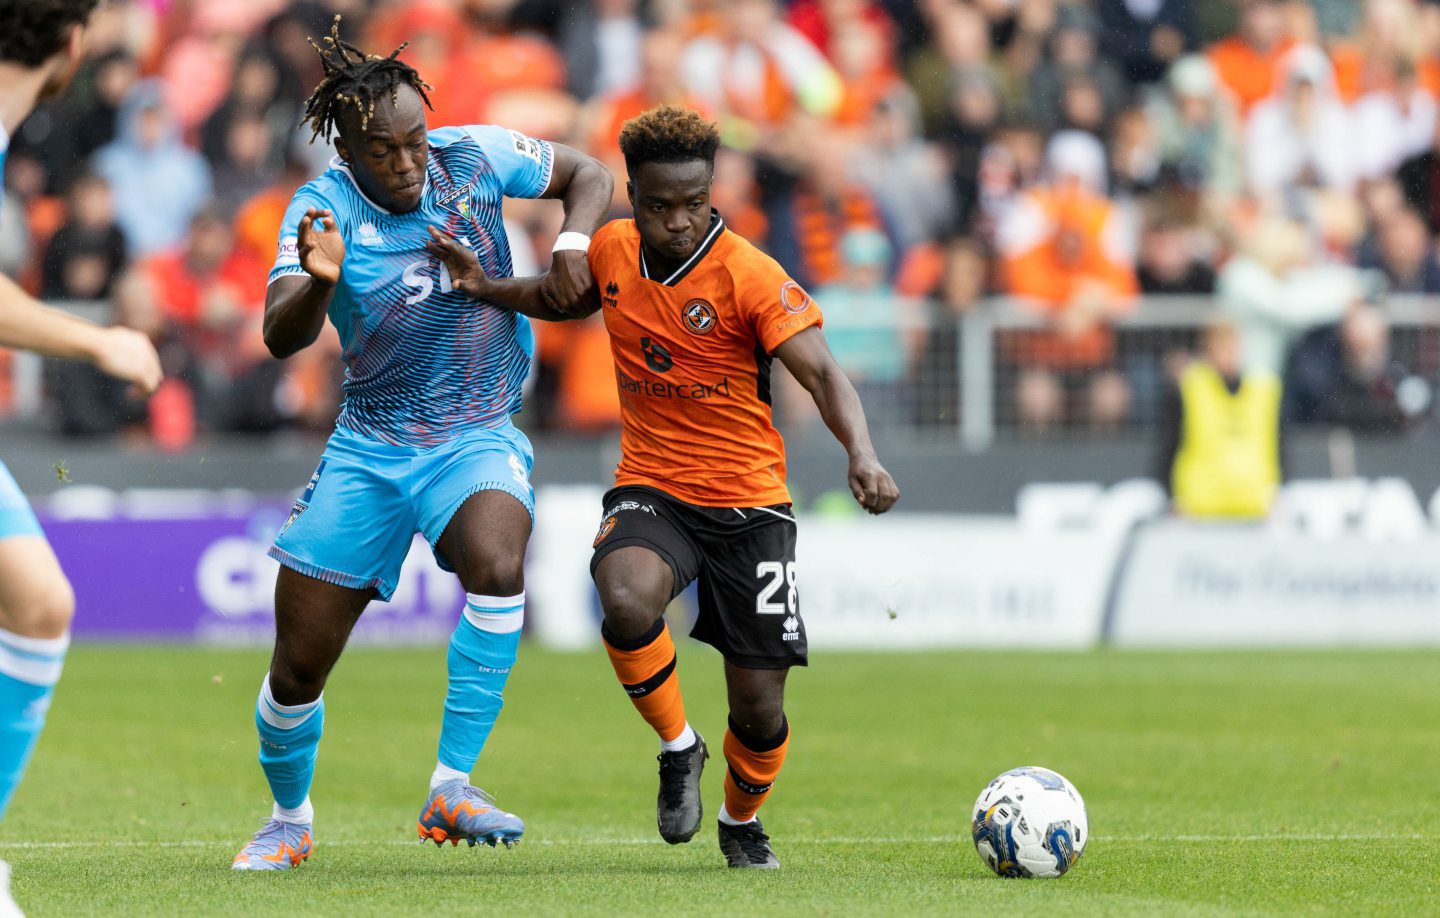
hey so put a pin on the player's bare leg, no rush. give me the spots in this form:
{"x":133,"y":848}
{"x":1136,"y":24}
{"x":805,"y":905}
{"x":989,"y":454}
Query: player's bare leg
{"x":485,"y":543}
{"x":635,"y":586}
{"x":313,"y":620}
{"x":755,"y":748}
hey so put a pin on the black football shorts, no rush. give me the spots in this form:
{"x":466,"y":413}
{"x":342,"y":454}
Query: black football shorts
{"x":744,"y":559}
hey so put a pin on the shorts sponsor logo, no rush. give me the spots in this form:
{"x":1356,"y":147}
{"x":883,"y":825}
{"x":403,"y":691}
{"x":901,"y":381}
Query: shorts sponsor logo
{"x":607,"y":525}
{"x":517,"y":471}
{"x":792,"y":629}
{"x":699,"y":317}
{"x":794,"y":298}
{"x":651,"y":388}
{"x":630,"y":505}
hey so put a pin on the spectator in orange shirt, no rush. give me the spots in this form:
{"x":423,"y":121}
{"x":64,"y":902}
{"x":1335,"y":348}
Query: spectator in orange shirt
{"x":821,"y":20}
{"x":1062,"y":253}
{"x":829,"y":203}
{"x":1247,"y":62}
{"x":1392,"y":33}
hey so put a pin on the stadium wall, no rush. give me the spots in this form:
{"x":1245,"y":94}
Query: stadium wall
{"x":1076,"y":565}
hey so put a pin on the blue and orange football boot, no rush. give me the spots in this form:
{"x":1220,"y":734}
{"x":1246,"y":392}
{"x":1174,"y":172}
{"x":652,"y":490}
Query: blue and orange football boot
{"x":456,"y":810}
{"x":277,"y":846}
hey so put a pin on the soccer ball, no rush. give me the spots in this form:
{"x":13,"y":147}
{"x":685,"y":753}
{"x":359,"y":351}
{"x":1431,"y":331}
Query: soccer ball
{"x":1030,"y":822}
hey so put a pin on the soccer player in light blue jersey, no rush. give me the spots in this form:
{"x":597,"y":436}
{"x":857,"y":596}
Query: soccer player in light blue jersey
{"x":41,"y":45}
{"x":424,"y":440}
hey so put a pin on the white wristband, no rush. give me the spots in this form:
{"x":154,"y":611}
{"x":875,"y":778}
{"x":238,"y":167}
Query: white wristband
{"x":571,"y":242}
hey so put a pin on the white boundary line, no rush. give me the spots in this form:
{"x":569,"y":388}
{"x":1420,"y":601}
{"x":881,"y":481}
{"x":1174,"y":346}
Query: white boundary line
{"x":322,"y":842}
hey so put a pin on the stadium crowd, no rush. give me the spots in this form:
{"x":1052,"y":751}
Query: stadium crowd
{"x":904,"y":160}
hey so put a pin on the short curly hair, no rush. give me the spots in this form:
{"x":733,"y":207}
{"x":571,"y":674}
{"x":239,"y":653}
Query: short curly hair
{"x":668,"y":134}
{"x":33,"y":31}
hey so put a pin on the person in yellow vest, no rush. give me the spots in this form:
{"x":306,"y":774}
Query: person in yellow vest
{"x":1220,"y":447}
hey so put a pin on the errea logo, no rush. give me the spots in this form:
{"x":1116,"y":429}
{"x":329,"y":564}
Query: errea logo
{"x":370,"y":236}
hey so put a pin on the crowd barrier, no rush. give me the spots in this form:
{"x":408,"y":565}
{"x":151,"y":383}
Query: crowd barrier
{"x":1340,"y":564}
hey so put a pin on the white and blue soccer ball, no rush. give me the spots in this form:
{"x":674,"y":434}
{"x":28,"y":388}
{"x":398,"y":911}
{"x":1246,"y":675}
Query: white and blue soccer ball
{"x":1030,"y":822}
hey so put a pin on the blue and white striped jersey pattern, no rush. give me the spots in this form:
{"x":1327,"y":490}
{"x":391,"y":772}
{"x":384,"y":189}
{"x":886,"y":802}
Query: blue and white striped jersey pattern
{"x":423,"y":363}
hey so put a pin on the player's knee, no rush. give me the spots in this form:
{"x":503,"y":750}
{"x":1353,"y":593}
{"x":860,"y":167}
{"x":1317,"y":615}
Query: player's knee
{"x":500,"y":575}
{"x":629,"y":611}
{"x":759,"y":716}
{"x":44,"y":612}
{"x":295,"y":681}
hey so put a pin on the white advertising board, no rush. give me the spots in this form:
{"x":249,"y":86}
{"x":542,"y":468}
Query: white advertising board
{"x":1192,"y":585}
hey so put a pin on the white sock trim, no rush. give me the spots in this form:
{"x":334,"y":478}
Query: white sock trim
{"x":445,"y":773}
{"x":495,"y":614}
{"x":284,"y":716}
{"x":304,"y":814}
{"x":37,"y":661}
{"x":729,"y":820}
{"x":685,"y":740}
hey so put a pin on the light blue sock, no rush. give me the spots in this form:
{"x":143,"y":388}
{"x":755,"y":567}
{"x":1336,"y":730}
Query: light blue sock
{"x":289,"y":740}
{"x":482,"y":651}
{"x":29,"y":669}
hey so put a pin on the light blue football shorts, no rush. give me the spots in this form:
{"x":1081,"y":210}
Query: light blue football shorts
{"x":355,"y":521}
{"x":16,"y":517}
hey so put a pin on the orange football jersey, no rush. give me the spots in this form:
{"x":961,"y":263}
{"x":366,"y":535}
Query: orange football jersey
{"x":692,"y":364}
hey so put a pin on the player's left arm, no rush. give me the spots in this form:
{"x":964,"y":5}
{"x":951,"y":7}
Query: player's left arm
{"x":585,"y":187}
{"x":808,"y":358}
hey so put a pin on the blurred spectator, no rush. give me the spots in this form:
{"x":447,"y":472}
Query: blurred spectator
{"x":1248,"y":63}
{"x":1390,"y":36}
{"x":873,"y":333}
{"x":970,"y":126}
{"x":1274,"y":291}
{"x":820,"y":20}
{"x":829,"y":203}
{"x":906,"y":176}
{"x":867,"y":74}
{"x":964,"y":284}
{"x":250,"y":161}
{"x":601,"y":44}
{"x":1062,"y":254}
{"x":1404,"y":253}
{"x":1300,"y":137}
{"x":1146,"y":36}
{"x":257,"y":222}
{"x":1392,"y":124}
{"x":1343,"y":375}
{"x":254,"y":92}
{"x":1220,"y":452}
{"x":94,"y":116}
{"x":1419,"y":178}
{"x":1167,"y":263}
{"x":158,"y":182}
{"x":87,"y":254}
{"x":1074,"y":86}
{"x":757,"y":72}
{"x":1135,"y":163}
{"x":959,"y":45}
{"x":1196,"y":129}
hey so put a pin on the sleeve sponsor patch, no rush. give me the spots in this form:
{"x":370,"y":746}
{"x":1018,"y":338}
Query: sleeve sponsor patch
{"x":794,"y":298}
{"x":288,"y":252}
{"x":528,"y":146}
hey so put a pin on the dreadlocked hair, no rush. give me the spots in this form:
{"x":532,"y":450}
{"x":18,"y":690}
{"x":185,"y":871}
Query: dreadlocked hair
{"x":33,"y":31}
{"x":668,"y":134}
{"x":356,"y":79}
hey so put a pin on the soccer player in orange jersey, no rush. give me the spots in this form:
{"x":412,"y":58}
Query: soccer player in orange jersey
{"x":695,"y":315}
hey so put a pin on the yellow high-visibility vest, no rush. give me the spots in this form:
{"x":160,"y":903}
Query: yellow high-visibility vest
{"x":1228,"y":464}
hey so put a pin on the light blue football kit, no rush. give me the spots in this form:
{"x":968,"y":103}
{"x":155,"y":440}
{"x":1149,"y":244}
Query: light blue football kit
{"x":29,"y":667}
{"x":432,"y":378}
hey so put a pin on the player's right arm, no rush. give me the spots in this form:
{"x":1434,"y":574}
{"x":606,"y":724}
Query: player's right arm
{"x":295,"y":304}
{"x":29,"y":325}
{"x":524,"y":295}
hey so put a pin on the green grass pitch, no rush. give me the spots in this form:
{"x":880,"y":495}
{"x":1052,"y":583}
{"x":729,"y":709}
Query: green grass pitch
{"x":1217,"y":783}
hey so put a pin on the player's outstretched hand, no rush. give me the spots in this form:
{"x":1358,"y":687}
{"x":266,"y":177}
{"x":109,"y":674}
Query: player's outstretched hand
{"x":466,"y":275}
{"x":128,"y":354}
{"x":320,"y":246}
{"x":872,"y":486}
{"x":569,"y":288}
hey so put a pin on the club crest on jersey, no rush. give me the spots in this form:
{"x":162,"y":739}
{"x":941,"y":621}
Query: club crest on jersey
{"x":459,"y":200}
{"x":794,"y":298}
{"x":699,"y":317}
{"x":606,"y":526}
{"x":370,"y":236}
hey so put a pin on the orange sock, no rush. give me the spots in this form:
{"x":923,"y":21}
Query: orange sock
{"x":754,"y":765}
{"x":646,"y":667}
